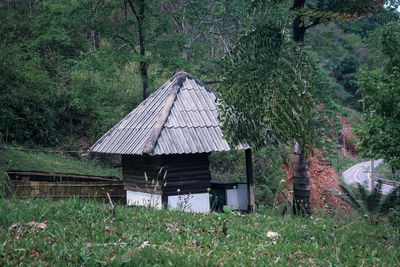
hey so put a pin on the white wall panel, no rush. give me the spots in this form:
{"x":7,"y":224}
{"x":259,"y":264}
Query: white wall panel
{"x":232,"y":199}
{"x":191,"y":202}
{"x":143,"y":199}
{"x":243,"y":196}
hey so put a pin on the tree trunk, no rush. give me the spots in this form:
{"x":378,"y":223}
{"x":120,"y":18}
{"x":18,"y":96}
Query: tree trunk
{"x":301,"y":183}
{"x":143,"y":63}
{"x":92,"y":31}
{"x":139,"y":9}
{"x":393,"y":175}
{"x":301,"y":176}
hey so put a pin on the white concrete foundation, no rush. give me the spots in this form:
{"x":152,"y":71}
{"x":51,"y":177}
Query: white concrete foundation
{"x":192,"y":202}
{"x":243,"y":196}
{"x":134,"y":198}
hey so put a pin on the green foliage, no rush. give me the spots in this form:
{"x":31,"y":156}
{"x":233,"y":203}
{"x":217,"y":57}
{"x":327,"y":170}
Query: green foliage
{"x":394,"y":218}
{"x":265,"y":96}
{"x":77,"y":234}
{"x":70,"y":69}
{"x":341,"y":162}
{"x":378,"y":132}
{"x":38,"y":40}
{"x":343,"y":48}
{"x":340,"y":55}
{"x":371,"y":204}
{"x":384,"y":170}
{"x":26,"y":102}
{"x":269,"y":85}
{"x":101,"y":93}
{"x":267,"y":172}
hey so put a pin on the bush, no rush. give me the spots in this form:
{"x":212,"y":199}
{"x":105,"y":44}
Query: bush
{"x":371,"y":204}
{"x":394,"y":218}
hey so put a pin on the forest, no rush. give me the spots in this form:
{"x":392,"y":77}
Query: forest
{"x":72,"y":69}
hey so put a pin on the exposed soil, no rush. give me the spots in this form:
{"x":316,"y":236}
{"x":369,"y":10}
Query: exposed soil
{"x":324,"y":176}
{"x":321,"y":176}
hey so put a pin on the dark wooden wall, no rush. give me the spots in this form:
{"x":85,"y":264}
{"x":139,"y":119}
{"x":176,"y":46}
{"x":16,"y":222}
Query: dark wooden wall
{"x":134,"y":169}
{"x":187,"y":172}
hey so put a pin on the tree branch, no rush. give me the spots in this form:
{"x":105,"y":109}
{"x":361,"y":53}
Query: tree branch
{"x":128,"y":42}
{"x":173,"y":18}
{"x":204,"y":15}
{"x":212,"y":82}
{"x":315,"y":23}
{"x":133,"y":8}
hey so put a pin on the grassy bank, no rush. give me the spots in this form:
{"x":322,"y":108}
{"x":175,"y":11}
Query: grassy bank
{"x":11,"y":159}
{"x":76,"y":234}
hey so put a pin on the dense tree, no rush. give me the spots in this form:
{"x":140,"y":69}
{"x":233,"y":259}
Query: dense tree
{"x":266,"y":90}
{"x":343,"y":48}
{"x":380,"y":127}
{"x":71,"y":69}
{"x":32,"y":56}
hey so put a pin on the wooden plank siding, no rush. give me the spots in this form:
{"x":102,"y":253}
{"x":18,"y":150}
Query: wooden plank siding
{"x":184,"y":173}
{"x":187,"y":172}
{"x":57,"y":185}
{"x":143,"y":173}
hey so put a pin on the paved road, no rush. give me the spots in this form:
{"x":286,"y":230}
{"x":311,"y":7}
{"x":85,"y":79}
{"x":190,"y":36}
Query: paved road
{"x":359,"y":173}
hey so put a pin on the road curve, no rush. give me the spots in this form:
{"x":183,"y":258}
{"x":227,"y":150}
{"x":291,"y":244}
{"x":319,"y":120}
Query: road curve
{"x":359,"y":173}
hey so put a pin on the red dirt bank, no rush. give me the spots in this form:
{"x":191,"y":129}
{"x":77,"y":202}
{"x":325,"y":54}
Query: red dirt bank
{"x":321,"y":176}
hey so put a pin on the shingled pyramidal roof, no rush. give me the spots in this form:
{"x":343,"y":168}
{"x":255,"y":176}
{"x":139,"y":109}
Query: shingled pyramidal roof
{"x":179,"y":118}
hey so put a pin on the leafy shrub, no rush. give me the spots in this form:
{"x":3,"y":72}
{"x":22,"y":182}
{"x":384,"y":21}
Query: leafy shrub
{"x":371,"y":204}
{"x":394,"y":218}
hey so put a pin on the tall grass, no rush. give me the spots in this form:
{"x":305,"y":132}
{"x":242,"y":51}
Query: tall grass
{"x":78,"y":235}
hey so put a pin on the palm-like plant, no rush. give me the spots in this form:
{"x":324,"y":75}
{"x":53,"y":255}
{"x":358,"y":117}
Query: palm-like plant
{"x":372,"y":204}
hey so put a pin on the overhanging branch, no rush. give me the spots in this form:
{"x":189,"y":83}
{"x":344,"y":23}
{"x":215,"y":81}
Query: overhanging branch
{"x":132,"y":45}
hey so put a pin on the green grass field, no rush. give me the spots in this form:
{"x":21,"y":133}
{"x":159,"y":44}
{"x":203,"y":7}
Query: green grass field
{"x":76,"y":234}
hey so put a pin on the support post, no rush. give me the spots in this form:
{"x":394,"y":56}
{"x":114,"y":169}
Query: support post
{"x":250,"y":182}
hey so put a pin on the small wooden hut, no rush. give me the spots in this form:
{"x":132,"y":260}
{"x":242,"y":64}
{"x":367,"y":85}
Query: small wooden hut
{"x":165,"y":145}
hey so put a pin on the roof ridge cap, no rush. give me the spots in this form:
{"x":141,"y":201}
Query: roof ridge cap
{"x":151,"y":141}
